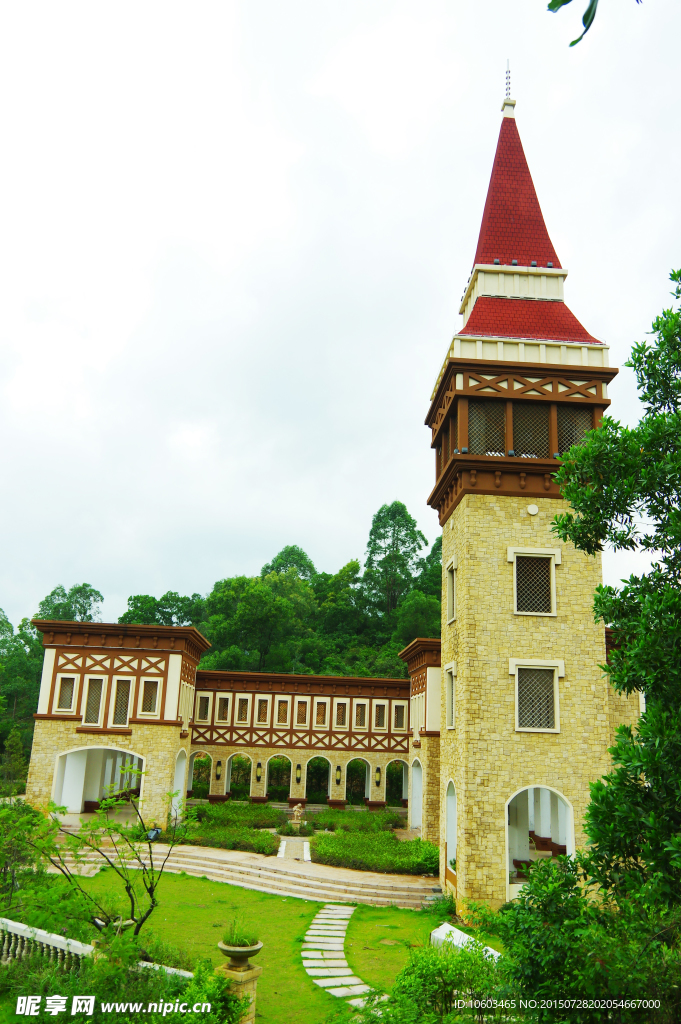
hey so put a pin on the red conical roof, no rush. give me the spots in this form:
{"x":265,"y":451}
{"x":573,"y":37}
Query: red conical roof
{"x":513,"y":227}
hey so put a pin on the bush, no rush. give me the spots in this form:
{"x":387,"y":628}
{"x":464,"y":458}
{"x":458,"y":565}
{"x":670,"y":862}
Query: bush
{"x":356,"y":821}
{"x":229,"y":813}
{"x":376,"y":851}
{"x":234,"y":837}
{"x":434,"y":984}
{"x":301,"y":830}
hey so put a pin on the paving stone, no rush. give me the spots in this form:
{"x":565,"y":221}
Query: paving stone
{"x":329,"y":972}
{"x":348,"y":980}
{"x":326,"y":963}
{"x":351,"y":990}
{"x":338,"y":948}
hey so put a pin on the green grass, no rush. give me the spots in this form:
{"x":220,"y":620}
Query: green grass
{"x":379,"y":939}
{"x":194,"y":913}
{"x":375,"y":851}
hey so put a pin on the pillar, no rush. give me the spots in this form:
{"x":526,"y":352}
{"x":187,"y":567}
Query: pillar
{"x":297,"y":791}
{"x":258,"y":792}
{"x":244,"y":983}
{"x":554,"y":817}
{"x":376,"y":801}
{"x":74,"y":781}
{"x":337,"y":789}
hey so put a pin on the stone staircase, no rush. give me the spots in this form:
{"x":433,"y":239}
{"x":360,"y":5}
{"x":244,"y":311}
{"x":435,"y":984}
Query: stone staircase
{"x":282,"y":878}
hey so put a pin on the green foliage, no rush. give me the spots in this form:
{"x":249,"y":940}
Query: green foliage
{"x":291,"y":557}
{"x":233,"y":837}
{"x":587,"y":17}
{"x":237,"y":934}
{"x":392,"y":556}
{"x":21,"y":658}
{"x":289,"y":829}
{"x":438,"y":983}
{"x":79,"y":604}
{"x":14,"y":766}
{"x":231,"y":813}
{"x":170,"y":610}
{"x":625,"y":489}
{"x":375,"y":851}
{"x":356,"y":821}
{"x":201,"y":779}
{"x":417,"y":615}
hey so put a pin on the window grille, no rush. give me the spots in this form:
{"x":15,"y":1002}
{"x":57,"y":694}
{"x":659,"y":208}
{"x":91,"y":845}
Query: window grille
{"x":301,"y":717}
{"x":536,"y":698}
{"x":223,"y":709}
{"x":399,"y":716}
{"x":94,"y":700}
{"x":451,"y":592}
{"x":360,"y":716}
{"x":531,"y":430}
{"x":451,"y":709}
{"x":149,"y":696}
{"x":533,"y":584}
{"x":282,"y":712}
{"x":66,"y":688}
{"x":242,"y":715}
{"x":202,"y":712}
{"x":262,"y":712}
{"x":120,"y":715}
{"x":340,"y":714}
{"x":380,"y":716}
{"x":486,"y":428}
{"x":321,"y":714}
{"x":573,"y":423}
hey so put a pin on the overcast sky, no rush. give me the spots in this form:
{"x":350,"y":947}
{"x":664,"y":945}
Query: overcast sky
{"x":233,"y":239}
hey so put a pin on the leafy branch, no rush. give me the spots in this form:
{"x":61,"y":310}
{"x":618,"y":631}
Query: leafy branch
{"x":587,"y":17}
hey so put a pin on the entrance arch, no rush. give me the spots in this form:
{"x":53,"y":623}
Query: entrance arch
{"x":416,"y":808}
{"x":450,"y":833}
{"x":238,"y":776}
{"x":87,"y":775}
{"x":179,"y":784}
{"x":317,"y":779}
{"x":278,"y":778}
{"x":358,"y":781}
{"x":397,"y":783}
{"x":199,"y":774}
{"x":539,"y":824}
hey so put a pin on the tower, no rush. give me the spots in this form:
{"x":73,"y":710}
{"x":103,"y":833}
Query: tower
{"x":526,"y":715}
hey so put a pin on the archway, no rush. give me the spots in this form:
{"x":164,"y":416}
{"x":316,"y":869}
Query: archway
{"x":357,"y":781}
{"x":179,"y":784}
{"x":238,"y":773}
{"x":278,"y":778}
{"x":397,"y":784}
{"x":450,"y":833}
{"x":88,"y":775}
{"x":416,"y":808}
{"x":317,"y":777}
{"x":199,"y":775}
{"x":539,"y":824}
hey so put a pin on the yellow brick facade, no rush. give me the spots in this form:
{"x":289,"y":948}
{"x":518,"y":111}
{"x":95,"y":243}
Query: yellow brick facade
{"x":483,"y":755}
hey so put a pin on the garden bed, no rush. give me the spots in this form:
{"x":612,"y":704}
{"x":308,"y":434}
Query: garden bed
{"x":375,"y":851}
{"x":356,"y":821}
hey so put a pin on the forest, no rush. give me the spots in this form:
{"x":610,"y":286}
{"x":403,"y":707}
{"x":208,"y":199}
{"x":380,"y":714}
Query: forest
{"x":290,"y":618}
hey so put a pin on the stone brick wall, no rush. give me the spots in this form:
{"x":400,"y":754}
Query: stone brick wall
{"x":158,"y":745}
{"x":428,"y":754}
{"x":485,"y":757}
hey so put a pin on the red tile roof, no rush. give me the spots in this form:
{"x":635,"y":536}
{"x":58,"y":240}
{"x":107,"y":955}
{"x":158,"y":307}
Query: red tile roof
{"x":494,"y":317}
{"x":513,"y":227}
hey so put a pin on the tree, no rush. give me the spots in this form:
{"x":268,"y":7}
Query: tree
{"x":429,"y":579}
{"x":170,"y":610}
{"x":624,"y":485}
{"x":21,"y":659}
{"x":14,"y":765}
{"x":392,"y":556}
{"x":291,"y":557}
{"x":587,"y":17}
{"x":417,"y":615}
{"x":79,"y":604}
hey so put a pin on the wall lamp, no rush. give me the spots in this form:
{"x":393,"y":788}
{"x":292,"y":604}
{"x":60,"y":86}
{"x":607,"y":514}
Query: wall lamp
{"x":338,"y":774}
{"x":258,"y":772}
{"x":218,"y":770}
{"x":378,"y":776}
{"x":298,"y":773}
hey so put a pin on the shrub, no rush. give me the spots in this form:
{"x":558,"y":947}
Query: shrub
{"x":229,"y":813}
{"x":290,"y":830}
{"x":356,"y":821}
{"x":235,"y":837}
{"x":376,"y":851}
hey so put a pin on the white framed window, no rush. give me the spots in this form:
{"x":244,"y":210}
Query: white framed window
{"x":120,"y":705}
{"x":150,"y":697}
{"x":341,"y":716}
{"x":243,"y":709}
{"x":262,"y":710}
{"x":361,"y":716}
{"x":223,"y":710}
{"x":66,"y":692}
{"x":203,"y":707}
{"x":537,"y":696}
{"x":302,"y":713}
{"x":534,"y":580}
{"x":283,"y":706}
{"x":94,"y":700}
{"x":380,"y":716}
{"x":400,"y":716}
{"x":450,"y":694}
{"x":321,"y":713}
{"x":450,"y":581}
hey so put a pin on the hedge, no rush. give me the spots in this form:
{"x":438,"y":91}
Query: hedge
{"x":356,"y":821}
{"x":376,"y":851}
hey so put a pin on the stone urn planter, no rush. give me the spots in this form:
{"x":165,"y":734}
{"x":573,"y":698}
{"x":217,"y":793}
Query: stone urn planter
{"x":239,"y":955}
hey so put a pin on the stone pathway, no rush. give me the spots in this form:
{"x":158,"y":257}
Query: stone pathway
{"x":323,"y":954}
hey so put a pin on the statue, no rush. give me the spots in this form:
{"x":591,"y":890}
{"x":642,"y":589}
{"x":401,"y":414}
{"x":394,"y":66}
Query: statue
{"x":298,"y":814}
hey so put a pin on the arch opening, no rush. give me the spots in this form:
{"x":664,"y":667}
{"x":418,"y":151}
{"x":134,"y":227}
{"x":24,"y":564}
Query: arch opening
{"x":450,"y":833}
{"x":179,"y":784}
{"x":540,"y":824}
{"x":85,"y":777}
{"x":238,"y":776}
{"x":278,"y":778}
{"x":358,"y":781}
{"x":397,"y":783}
{"x":198,"y":775}
{"x":317,"y":779}
{"x":416,"y":808}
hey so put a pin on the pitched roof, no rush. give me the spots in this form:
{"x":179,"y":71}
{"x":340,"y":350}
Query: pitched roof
{"x":513,"y":227}
{"x":496,"y":317}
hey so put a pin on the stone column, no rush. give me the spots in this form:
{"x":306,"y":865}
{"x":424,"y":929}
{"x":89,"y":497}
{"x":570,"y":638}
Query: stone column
{"x":244,"y":983}
{"x":376,"y":801}
{"x":337,"y":790}
{"x":258,"y":794}
{"x":297,"y":791}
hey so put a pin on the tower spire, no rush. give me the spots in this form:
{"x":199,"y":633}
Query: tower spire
{"x":508,"y":79}
{"x":508,"y":106}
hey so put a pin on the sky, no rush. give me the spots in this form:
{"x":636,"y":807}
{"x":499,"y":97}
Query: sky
{"x":233,"y":240}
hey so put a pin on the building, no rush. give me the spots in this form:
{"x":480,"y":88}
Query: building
{"x":511,"y":715}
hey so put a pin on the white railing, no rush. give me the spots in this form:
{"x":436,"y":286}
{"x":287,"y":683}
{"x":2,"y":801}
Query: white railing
{"x":19,"y":941}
